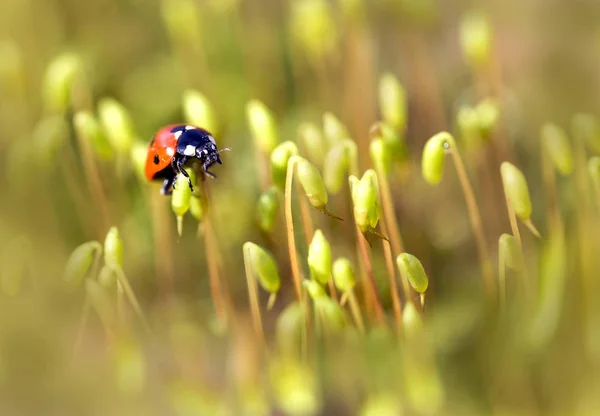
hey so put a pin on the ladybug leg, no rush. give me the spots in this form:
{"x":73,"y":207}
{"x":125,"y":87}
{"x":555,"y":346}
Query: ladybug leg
{"x":168,"y":185}
{"x":212,"y":175}
{"x":179,"y":163}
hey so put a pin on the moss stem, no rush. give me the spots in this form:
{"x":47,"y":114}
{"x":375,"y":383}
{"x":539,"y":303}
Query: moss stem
{"x":553,"y":218}
{"x":371,"y":286}
{"x":93,"y":179}
{"x":475,"y":218}
{"x":296,"y":274}
{"x":126,"y":289}
{"x":391,"y":272}
{"x":502,"y":279}
{"x":213,"y":257}
{"x":355,"y":310}
{"x":253,"y":297}
{"x":390,"y":225}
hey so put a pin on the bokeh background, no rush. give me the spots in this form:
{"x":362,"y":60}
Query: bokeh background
{"x":301,"y":59}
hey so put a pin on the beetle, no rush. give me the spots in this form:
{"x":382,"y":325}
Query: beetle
{"x":173,"y":146}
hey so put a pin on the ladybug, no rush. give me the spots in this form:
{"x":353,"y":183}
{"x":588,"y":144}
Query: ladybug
{"x":173,"y":146}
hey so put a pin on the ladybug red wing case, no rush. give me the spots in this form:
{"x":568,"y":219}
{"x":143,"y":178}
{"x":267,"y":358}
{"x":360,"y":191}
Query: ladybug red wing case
{"x":173,"y":146}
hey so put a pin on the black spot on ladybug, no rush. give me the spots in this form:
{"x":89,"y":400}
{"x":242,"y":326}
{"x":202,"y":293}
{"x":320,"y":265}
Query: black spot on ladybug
{"x":156,"y":160}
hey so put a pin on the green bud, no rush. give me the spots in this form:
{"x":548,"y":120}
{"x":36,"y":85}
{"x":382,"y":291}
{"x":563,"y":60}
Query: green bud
{"x":510,"y":250}
{"x":267,"y":209}
{"x":15,"y":260}
{"x":392,"y":101}
{"x":469,"y":127}
{"x":113,"y":248}
{"x":594,"y":170}
{"x":319,"y":258}
{"x":295,"y":388}
{"x":313,"y":141}
{"x":365,"y":201}
{"x":264,"y":267}
{"x":412,"y":269}
{"x":108,"y":279}
{"x":381,"y":156}
{"x":476,"y":39}
{"x":263,"y":126}
{"x":182,"y":197}
{"x":331,"y":313}
{"x":383,"y":404}
{"x":61,"y":75}
{"x":335,"y":168}
{"x":393,"y":140}
{"x":516,"y":190}
{"x":314,"y":288}
{"x":117,"y":124}
{"x":290,"y":326}
{"x":80,"y":261}
{"x":198,"y":111}
{"x":313,"y":28}
{"x":312,"y":183}
{"x":335,"y":131}
{"x":138,"y":155}
{"x":434,"y":156}
{"x":49,"y":136}
{"x":558,"y":148}
{"x":586,"y":128}
{"x":88,"y":128}
{"x":196,"y":208}
{"x":488,"y":114}
{"x":279,"y":162}
{"x":343,"y":275}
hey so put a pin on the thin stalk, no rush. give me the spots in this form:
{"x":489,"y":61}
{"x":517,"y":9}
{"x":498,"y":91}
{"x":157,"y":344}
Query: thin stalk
{"x":253,"y":297}
{"x":93,"y":178}
{"x":297,"y":277}
{"x":583,"y":205}
{"x":355,"y":310}
{"x":502,"y":279}
{"x":212,"y":258}
{"x":128,"y":291}
{"x":389,"y":263}
{"x":514,"y":225}
{"x":296,"y":274}
{"x":306,"y":220}
{"x":163,"y":257}
{"x":553,"y":218}
{"x":85,"y":312}
{"x":371,"y":285}
{"x":121,"y":305}
{"x":393,"y":230}
{"x":475,"y":218}
{"x":69,"y":172}
{"x":390,"y":225}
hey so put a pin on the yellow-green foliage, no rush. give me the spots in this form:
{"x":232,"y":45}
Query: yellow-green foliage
{"x":341,"y":118}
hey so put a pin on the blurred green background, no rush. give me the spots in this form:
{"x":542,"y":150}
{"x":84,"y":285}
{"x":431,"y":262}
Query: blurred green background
{"x":301,"y":61}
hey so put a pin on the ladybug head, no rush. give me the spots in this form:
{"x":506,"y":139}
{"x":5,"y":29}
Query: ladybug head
{"x":209,"y":155}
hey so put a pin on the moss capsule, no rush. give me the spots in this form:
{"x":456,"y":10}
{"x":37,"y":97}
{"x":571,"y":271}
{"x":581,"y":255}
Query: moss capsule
{"x":279,"y":162}
{"x":413,"y":270}
{"x":319,"y":258}
{"x":516,"y":190}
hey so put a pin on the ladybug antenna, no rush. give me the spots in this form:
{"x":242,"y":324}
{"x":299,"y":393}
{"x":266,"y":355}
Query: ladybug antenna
{"x":228,"y":149}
